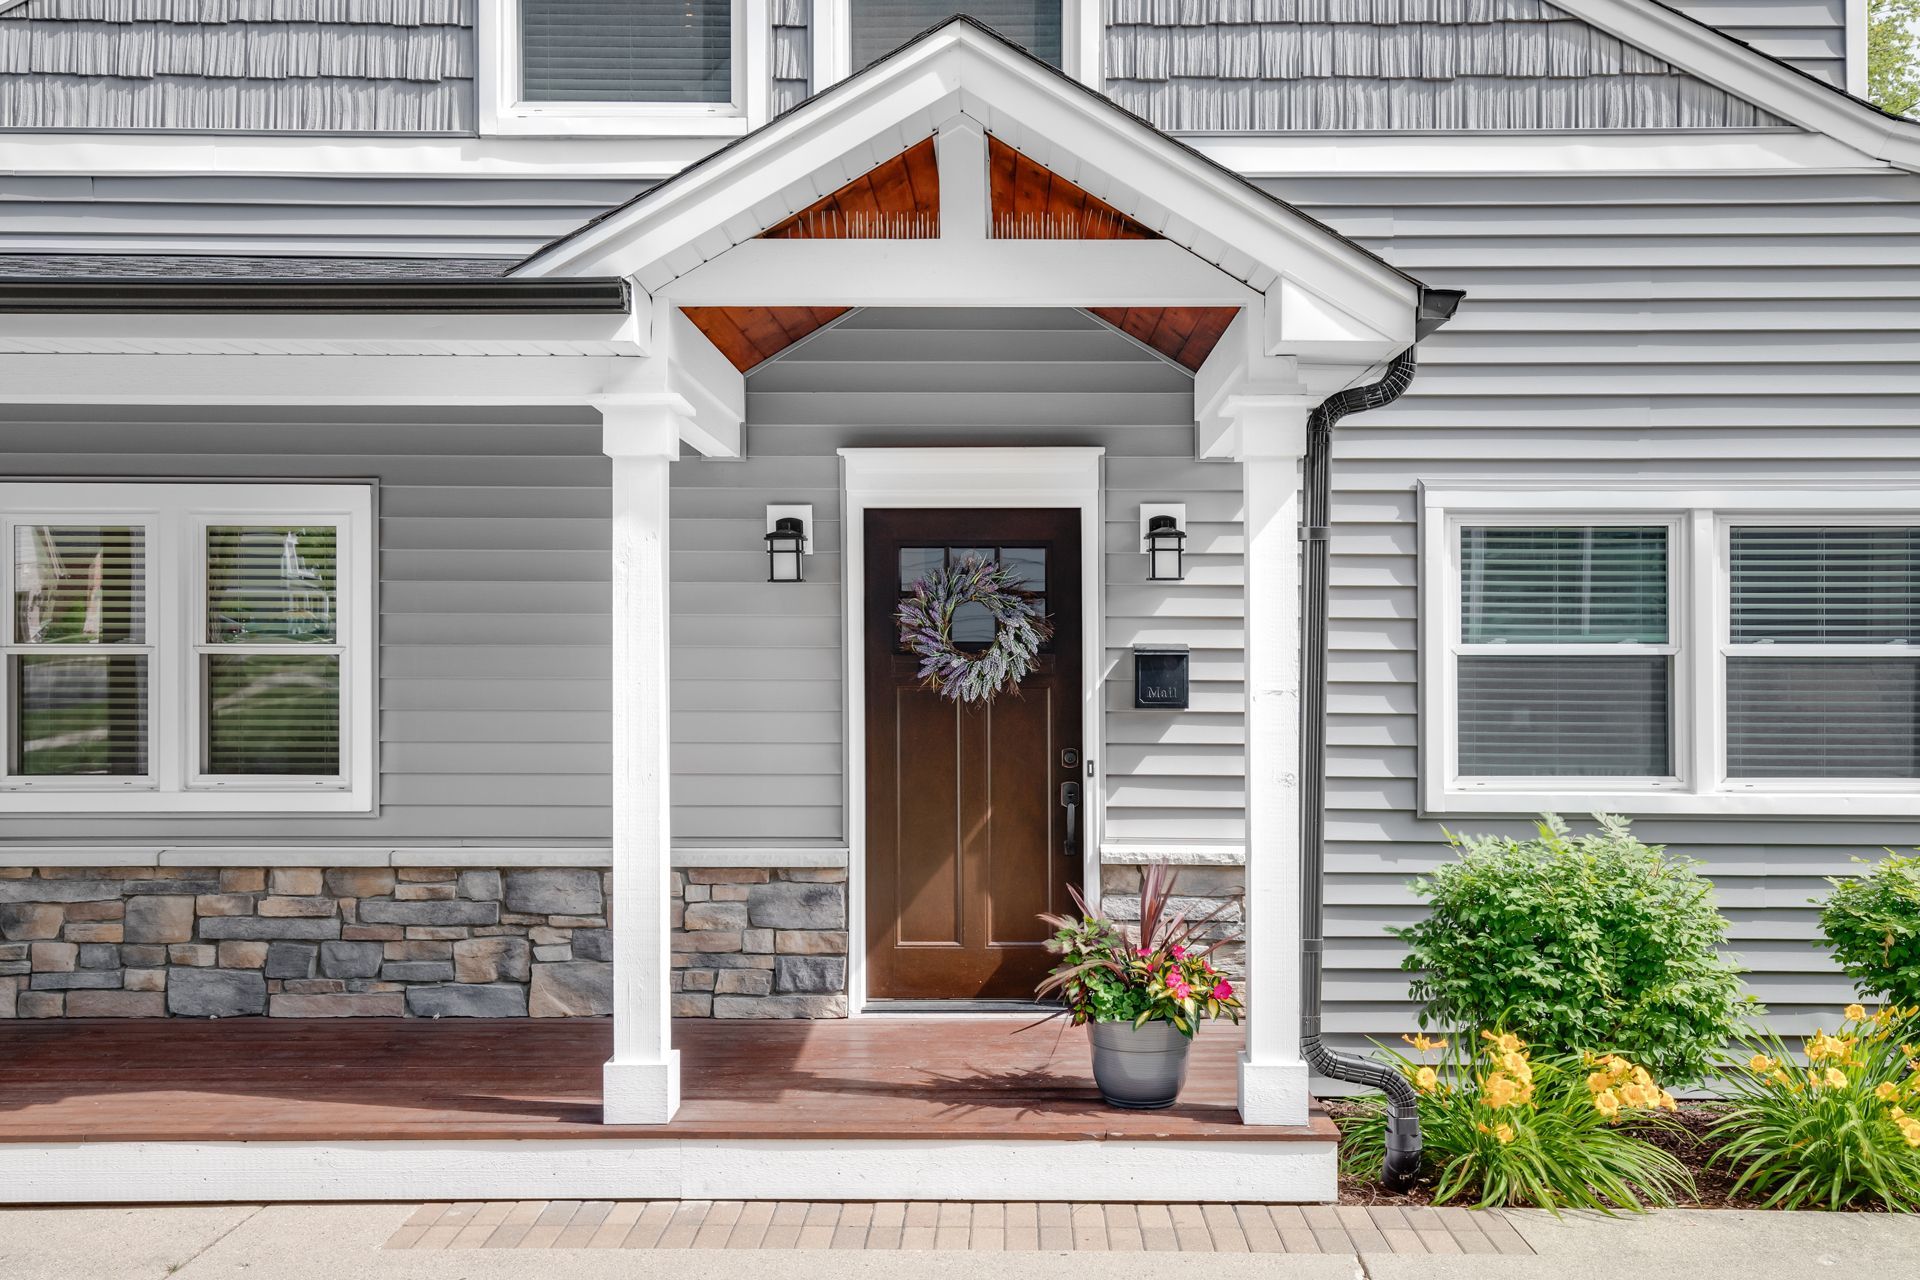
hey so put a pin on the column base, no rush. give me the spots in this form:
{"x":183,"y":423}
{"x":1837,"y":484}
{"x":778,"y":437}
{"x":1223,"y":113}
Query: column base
{"x":640,"y":1092}
{"x":1273,"y":1092}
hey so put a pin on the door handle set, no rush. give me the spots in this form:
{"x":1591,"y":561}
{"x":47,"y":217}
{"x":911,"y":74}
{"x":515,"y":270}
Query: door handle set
{"x":1070,"y":801}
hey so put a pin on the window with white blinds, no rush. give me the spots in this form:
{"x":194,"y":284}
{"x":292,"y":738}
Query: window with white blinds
{"x":1564,"y":666}
{"x":1823,"y":651}
{"x":881,"y":26}
{"x":175,"y":646}
{"x":627,"y":51}
{"x":1743,"y":652}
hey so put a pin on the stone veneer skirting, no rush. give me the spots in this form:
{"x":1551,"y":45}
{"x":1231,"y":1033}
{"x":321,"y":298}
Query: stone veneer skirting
{"x":431,"y":942}
{"x":304,"y":942}
{"x":760,"y":943}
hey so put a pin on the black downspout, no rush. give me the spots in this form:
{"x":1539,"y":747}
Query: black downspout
{"x":1403,"y":1114}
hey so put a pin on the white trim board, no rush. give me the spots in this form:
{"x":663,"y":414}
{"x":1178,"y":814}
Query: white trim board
{"x":663,"y":1169}
{"x":420,"y":856}
{"x":655,"y":158}
{"x":965,"y":477}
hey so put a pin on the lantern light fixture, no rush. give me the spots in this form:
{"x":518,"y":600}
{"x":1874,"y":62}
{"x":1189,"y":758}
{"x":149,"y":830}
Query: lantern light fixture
{"x":788,"y":532}
{"x":1163,"y":537}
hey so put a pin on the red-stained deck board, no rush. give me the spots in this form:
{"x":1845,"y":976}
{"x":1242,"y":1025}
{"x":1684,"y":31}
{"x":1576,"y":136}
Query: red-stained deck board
{"x":404,"y":1080}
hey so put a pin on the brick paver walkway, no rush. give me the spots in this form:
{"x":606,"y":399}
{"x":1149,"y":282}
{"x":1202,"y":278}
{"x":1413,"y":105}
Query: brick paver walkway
{"x":953,"y":1225}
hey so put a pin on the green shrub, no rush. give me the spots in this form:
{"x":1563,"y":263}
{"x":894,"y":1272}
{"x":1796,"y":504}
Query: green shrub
{"x":1873,"y":924}
{"x":1590,"y":942}
{"x":1832,"y":1131}
{"x":1501,"y":1128}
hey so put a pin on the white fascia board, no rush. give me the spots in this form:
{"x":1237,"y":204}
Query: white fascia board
{"x":1718,"y":59}
{"x":934,"y":273}
{"x":306,"y":380}
{"x":1310,"y":155}
{"x":513,"y":334}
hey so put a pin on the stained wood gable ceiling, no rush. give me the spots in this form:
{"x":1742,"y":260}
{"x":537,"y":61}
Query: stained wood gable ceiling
{"x":900,"y":200}
{"x":895,"y":200}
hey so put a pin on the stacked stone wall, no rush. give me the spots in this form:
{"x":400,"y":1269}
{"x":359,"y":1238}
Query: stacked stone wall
{"x":760,"y":943}
{"x":304,"y":942}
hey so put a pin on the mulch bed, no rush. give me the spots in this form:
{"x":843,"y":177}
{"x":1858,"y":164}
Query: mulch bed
{"x":1688,"y":1145}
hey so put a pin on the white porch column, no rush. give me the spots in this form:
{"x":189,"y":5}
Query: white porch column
{"x":641,"y":1083}
{"x":1271,"y":435}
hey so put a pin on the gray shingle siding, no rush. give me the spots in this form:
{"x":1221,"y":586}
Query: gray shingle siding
{"x":292,"y":66}
{"x":792,"y":54}
{"x":1287,"y":65}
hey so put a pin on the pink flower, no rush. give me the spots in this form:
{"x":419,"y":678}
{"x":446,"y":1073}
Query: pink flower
{"x":1142,"y":951}
{"x":1179,"y":952}
{"x":1222,"y":989}
{"x":1179,"y":988}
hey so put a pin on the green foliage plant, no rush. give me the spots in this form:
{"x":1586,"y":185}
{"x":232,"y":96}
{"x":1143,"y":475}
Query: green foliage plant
{"x":1580,"y":943}
{"x":1833,"y":1130}
{"x":1502,"y":1128}
{"x":1162,"y":972}
{"x":1872,"y":922}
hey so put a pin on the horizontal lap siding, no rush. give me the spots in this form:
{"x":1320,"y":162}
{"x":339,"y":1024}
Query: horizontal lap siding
{"x":759,"y":669}
{"x":494,"y":625}
{"x":1810,"y":34}
{"x":358,"y":217}
{"x":1720,"y":330}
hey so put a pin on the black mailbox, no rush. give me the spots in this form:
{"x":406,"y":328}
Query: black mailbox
{"x":1160,"y":676}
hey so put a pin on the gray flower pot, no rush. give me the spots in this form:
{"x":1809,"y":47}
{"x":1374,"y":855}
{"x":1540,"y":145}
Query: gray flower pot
{"x":1142,"y":1068}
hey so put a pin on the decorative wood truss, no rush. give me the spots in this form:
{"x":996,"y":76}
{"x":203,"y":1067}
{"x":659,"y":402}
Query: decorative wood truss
{"x":899,"y":199}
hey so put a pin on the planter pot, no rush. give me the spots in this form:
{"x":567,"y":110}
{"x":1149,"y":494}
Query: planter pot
{"x":1140,"y":1069}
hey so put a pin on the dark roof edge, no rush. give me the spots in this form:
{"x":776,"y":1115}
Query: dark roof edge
{"x":533,"y":296}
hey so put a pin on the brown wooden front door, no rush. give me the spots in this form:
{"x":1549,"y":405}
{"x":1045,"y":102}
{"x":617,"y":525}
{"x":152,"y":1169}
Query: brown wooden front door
{"x":967,"y":835}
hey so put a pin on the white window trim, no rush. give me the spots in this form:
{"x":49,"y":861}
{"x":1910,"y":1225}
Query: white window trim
{"x":174,"y":517}
{"x":504,"y":112}
{"x":1082,"y":28}
{"x":1699,"y":586}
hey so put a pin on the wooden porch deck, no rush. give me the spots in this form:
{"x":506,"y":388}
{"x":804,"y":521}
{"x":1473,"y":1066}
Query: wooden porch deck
{"x":377,"y":1080}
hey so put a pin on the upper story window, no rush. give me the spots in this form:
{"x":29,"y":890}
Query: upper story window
{"x":634,"y":51}
{"x":1664,"y":652}
{"x":878,"y":27}
{"x":187,"y":648}
{"x":623,"y":67}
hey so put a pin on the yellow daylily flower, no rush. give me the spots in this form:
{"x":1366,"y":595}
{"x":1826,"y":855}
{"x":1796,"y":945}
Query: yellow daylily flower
{"x":1499,"y":1090}
{"x":1836,"y":1078}
{"x":1760,"y":1062}
{"x":1885,"y":1091}
{"x":1606,"y":1103}
{"x":1425,"y":1078}
{"x":1855,"y":1013}
{"x":1504,"y":1134}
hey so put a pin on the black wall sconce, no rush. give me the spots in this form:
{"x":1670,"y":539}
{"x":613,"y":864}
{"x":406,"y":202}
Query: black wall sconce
{"x":787,"y":529}
{"x":1163,"y":537}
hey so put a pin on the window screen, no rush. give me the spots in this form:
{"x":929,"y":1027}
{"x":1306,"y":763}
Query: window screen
{"x":272,"y":652}
{"x":881,"y":26}
{"x":626,"y":51}
{"x":1564,"y":667}
{"x":78,"y":661}
{"x":1844,"y":701}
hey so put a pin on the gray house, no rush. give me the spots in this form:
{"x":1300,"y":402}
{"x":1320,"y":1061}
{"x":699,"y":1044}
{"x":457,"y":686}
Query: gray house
{"x":460,"y":461}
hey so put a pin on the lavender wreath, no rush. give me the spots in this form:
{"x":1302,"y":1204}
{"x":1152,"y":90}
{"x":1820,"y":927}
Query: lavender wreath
{"x":926,"y":629}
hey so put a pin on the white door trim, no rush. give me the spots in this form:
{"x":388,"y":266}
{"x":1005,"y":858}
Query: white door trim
{"x":964,"y":477}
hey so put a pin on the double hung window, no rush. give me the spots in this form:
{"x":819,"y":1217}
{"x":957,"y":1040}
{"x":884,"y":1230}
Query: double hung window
{"x":1665,"y":652}
{"x":176,"y":647}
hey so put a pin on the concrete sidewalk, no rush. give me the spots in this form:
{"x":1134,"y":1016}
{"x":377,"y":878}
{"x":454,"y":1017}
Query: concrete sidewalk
{"x":352,"y":1242}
